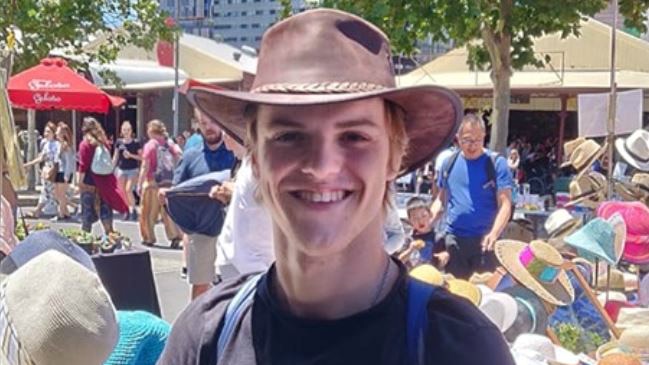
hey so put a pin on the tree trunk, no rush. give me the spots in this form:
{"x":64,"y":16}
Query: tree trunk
{"x":31,"y":148}
{"x":500,"y":112}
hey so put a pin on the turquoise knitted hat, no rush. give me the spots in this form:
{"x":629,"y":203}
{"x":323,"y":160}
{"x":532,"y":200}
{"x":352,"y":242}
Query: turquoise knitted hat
{"x":142,"y":337}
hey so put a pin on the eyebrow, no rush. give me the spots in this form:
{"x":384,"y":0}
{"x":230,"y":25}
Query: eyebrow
{"x":281,"y":122}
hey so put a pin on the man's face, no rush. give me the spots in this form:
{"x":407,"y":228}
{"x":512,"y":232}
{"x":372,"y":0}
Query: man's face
{"x":420,"y":219}
{"x":210,"y":130}
{"x":322,"y":172}
{"x":471,"y":140}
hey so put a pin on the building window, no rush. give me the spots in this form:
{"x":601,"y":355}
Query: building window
{"x":255,"y":25}
{"x":259,"y":12}
{"x":244,"y":26}
{"x":243,"y":39}
{"x":257,"y":38}
{"x":223,"y":26}
{"x":244,"y":13}
{"x":244,"y":1}
{"x":217,"y":2}
{"x":272,"y":11}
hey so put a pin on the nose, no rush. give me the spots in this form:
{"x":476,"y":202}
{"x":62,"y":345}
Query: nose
{"x":322,"y":159}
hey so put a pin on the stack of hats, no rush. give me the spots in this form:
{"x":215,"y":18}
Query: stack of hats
{"x":587,"y":190}
{"x":538,"y":349}
{"x":581,"y":153}
{"x":633,"y":342}
{"x":462,"y":288}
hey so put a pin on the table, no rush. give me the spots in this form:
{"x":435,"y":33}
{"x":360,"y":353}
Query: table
{"x":128,"y":278}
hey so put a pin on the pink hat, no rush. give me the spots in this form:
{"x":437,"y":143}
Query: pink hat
{"x":636,"y":216}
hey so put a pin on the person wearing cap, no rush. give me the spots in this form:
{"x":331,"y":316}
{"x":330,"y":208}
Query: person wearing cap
{"x":476,"y":197}
{"x":326,"y":138}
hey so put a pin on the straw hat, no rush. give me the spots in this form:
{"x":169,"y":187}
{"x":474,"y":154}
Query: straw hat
{"x":587,"y":189}
{"x":641,"y":180}
{"x":635,"y":149}
{"x":553,"y":354}
{"x":584,"y":155}
{"x":539,"y":267}
{"x":481,"y":278}
{"x":500,"y":308}
{"x":428,"y":274}
{"x":618,"y":281}
{"x":55,"y":311}
{"x":298,"y":68}
{"x":631,"y":317}
{"x":619,"y":359}
{"x":600,"y":238}
{"x":465,"y":290}
{"x":627,"y":191}
{"x":570,"y":146}
{"x":633,"y":341}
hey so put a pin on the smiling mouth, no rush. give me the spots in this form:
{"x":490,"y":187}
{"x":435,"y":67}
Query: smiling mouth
{"x":321,"y":197}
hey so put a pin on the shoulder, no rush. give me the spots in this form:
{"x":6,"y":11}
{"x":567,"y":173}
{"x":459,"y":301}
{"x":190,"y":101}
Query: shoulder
{"x":194,"y":335}
{"x":460,"y":326}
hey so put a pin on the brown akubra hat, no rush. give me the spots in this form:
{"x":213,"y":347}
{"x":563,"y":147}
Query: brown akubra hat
{"x":328,"y":56}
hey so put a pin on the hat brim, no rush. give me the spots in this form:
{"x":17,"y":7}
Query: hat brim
{"x":559,"y":292}
{"x":589,"y":162}
{"x":620,"y":146}
{"x":585,"y":200}
{"x":627,"y":191}
{"x":432,"y":114}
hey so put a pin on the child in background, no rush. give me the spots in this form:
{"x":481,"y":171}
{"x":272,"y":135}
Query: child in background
{"x":423,"y":237}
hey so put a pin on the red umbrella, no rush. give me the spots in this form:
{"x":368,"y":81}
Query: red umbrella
{"x":53,"y":85}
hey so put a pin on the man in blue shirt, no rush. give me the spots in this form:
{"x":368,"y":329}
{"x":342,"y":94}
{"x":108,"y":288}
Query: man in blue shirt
{"x":210,"y":156}
{"x":475,"y":193}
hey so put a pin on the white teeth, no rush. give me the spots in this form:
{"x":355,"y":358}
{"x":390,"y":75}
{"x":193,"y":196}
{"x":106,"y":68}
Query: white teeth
{"x":324,"y":197}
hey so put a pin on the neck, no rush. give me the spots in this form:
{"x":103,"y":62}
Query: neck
{"x":213,"y":146}
{"x":337,"y":285}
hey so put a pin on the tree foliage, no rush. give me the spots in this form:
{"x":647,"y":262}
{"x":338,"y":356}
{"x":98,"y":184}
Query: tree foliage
{"x":497,"y":33}
{"x":40,"y":26}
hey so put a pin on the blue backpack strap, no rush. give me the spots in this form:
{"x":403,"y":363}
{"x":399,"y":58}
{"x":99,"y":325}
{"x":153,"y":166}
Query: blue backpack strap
{"x":234,"y":312}
{"x":419,"y":293}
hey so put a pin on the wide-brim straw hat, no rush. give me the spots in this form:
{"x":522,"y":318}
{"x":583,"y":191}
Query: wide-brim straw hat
{"x":641,"y":181}
{"x":570,"y":146}
{"x":326,"y":56}
{"x":428,"y":274}
{"x":55,"y":311}
{"x":465,"y":289}
{"x":527,"y":263}
{"x":619,"y":359}
{"x":635,"y":149}
{"x":627,"y":191}
{"x":633,"y":341}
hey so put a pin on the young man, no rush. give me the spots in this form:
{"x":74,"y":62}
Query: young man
{"x":328,"y":131}
{"x":420,"y":219}
{"x":476,"y":195}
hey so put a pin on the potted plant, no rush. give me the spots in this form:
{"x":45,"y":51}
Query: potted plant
{"x":82,"y":238}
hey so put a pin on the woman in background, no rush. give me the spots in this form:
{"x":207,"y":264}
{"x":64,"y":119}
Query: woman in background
{"x":100,"y":191}
{"x":127,"y":157}
{"x":67,"y":163}
{"x":49,"y":148}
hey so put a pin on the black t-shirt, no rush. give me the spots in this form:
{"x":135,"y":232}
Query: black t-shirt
{"x":458,"y":334}
{"x":132,"y":147}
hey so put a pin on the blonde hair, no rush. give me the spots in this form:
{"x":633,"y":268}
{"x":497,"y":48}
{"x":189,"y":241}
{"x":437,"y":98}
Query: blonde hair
{"x":155,"y":126}
{"x":126,"y":122}
{"x":397,"y":136}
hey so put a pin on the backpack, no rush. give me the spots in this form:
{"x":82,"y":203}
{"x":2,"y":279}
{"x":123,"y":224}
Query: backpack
{"x":419,"y":293}
{"x":165,"y":165}
{"x":490,"y":168}
{"x":102,"y":163}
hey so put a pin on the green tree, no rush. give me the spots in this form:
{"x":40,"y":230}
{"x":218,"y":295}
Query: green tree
{"x":40,"y":26}
{"x":287,"y":9}
{"x":498,"y":33}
